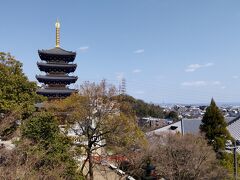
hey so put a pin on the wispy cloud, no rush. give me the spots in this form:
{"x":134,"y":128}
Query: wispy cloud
{"x":83,"y":48}
{"x":194,"y":83}
{"x":235,"y":77}
{"x":201,"y":83}
{"x":137,"y":70}
{"x":138,"y":51}
{"x":194,"y":67}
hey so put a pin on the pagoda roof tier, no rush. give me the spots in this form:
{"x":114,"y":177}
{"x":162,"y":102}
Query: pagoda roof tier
{"x":56,"y":79}
{"x":56,"y":92}
{"x":53,"y":67}
{"x":57,"y":54}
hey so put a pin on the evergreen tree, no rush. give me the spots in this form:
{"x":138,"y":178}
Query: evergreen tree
{"x":42,"y":152}
{"x":173,"y":116}
{"x":214,"y":127}
{"x":50,"y":151}
{"x":17,"y":95}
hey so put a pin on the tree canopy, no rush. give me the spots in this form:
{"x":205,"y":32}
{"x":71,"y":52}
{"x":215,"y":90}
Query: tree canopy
{"x":17,"y":95}
{"x":173,"y":115}
{"x":143,"y":109}
{"x":41,"y":153}
{"x":16,"y":91}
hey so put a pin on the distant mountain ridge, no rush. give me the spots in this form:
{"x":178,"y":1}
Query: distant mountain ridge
{"x":200,"y":104}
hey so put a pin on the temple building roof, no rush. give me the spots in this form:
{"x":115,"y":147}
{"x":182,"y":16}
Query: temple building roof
{"x":49,"y":79}
{"x":57,"y":53}
{"x":56,"y":67}
{"x":56,"y":92}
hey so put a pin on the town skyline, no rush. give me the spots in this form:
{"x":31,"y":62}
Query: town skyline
{"x":168,"y":51}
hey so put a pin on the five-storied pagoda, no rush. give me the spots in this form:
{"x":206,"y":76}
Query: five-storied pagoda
{"x":58,"y":64}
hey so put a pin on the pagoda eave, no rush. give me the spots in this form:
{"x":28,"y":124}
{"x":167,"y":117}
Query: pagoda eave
{"x":57,"y":54}
{"x":53,"y":67}
{"x":56,"y":79}
{"x":55,"y":93}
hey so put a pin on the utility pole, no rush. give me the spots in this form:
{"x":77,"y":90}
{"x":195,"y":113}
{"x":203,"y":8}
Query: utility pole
{"x":235,"y":164}
{"x":182,"y":127}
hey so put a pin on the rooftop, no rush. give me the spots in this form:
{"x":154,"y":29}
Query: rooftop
{"x":57,"y":51}
{"x":189,"y":126}
{"x":55,"y":67}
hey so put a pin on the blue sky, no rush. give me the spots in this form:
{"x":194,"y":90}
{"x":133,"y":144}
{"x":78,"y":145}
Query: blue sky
{"x":168,"y":50}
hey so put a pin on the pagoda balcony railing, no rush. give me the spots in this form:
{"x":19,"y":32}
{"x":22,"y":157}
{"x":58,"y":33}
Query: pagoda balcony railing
{"x":56,"y":76}
{"x":56,"y":90}
{"x":63,"y":64}
{"x":56,"y":87}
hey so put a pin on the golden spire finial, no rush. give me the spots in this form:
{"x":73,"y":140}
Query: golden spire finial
{"x":57,"y":25}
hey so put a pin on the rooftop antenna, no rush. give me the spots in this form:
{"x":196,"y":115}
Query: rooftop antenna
{"x":57,"y":25}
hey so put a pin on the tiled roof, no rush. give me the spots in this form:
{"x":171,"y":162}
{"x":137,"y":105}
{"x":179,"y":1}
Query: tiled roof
{"x":192,"y":126}
{"x":189,"y":126}
{"x":234,"y":129}
{"x":57,"y":51}
{"x":55,"y":67}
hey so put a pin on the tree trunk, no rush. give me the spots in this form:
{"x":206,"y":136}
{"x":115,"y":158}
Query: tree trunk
{"x":90,"y":164}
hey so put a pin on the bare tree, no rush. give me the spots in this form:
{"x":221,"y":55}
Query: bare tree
{"x":94,"y":116}
{"x":178,"y":157}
